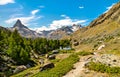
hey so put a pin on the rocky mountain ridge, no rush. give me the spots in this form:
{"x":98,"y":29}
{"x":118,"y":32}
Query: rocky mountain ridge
{"x":24,"y":31}
{"x":51,"y":34}
{"x":112,"y":15}
{"x":106,"y":26}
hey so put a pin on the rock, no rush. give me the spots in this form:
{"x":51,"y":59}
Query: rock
{"x":35,"y":56}
{"x":76,"y":43}
{"x":51,"y":56}
{"x":46,"y":56}
{"x":41,"y":61}
{"x":46,"y":66}
{"x":55,"y":51}
{"x":108,"y":59}
{"x":87,"y":71}
{"x":28,"y":65}
{"x":101,"y":47}
{"x":20,"y":68}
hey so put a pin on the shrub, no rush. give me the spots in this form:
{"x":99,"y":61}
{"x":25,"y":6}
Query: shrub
{"x":84,"y":53}
{"x":99,"y":67}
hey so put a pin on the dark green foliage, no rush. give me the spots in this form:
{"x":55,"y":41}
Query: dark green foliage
{"x":42,"y":45}
{"x":103,"y":68}
{"x":19,"y":48}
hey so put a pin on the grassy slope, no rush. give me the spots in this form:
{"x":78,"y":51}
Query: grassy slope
{"x":61,"y":68}
{"x":91,"y":36}
{"x":57,"y":71}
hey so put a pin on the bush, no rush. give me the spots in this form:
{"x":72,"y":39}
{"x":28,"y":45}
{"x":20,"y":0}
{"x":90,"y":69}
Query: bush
{"x":99,"y":67}
{"x":84,"y":53}
{"x":65,"y":51}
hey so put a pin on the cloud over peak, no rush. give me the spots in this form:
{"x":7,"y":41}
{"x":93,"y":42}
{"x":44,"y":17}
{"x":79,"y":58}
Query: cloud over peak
{"x":4,"y":2}
{"x":109,"y":7}
{"x":35,"y":11}
{"x":25,"y":19}
{"x":67,"y":21}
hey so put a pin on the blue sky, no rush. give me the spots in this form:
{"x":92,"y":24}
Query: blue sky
{"x":51,"y":14}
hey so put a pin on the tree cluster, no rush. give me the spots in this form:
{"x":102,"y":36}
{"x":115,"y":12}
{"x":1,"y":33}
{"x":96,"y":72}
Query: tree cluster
{"x":19,"y":48}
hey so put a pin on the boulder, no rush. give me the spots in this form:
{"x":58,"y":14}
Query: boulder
{"x":20,"y":68}
{"x":101,"y":47}
{"x":46,"y":66}
{"x":76,"y":43}
{"x":51,"y":56}
{"x":41,"y":61}
{"x":28,"y":65}
{"x":55,"y":51}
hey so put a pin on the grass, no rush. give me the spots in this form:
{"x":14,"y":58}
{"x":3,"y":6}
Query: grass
{"x":84,"y":53}
{"x":99,"y":67}
{"x":61,"y":68}
{"x":66,"y":51}
{"x":55,"y":61}
{"x":30,"y":71}
{"x":114,"y":51}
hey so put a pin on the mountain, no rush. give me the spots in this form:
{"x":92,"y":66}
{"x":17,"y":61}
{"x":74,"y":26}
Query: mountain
{"x":24,"y":31}
{"x":64,"y":31}
{"x":112,"y":15}
{"x":103,"y":30}
{"x":2,"y":28}
{"x":50,"y":34}
{"x":60,"y":32}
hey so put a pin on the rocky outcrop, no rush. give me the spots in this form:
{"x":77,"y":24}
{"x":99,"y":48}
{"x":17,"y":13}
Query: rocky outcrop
{"x":51,"y":56}
{"x":19,"y":69}
{"x":61,"y":32}
{"x":46,"y":66}
{"x":108,"y":59}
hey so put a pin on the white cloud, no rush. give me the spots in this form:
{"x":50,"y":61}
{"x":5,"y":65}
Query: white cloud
{"x":4,"y":2}
{"x":41,"y":6}
{"x":35,"y":11}
{"x":60,"y":23}
{"x":24,"y":19}
{"x":65,"y":22}
{"x":65,"y":16}
{"x":81,"y":7}
{"x":109,"y":7}
{"x":42,"y":29}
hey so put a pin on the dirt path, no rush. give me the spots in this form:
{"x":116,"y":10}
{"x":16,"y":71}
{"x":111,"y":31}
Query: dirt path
{"x":79,"y":66}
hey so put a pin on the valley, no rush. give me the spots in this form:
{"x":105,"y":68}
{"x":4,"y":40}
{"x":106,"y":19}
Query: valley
{"x":69,"y":51}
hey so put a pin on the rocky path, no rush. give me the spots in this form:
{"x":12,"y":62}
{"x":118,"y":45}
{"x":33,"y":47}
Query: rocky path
{"x":79,"y":67}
